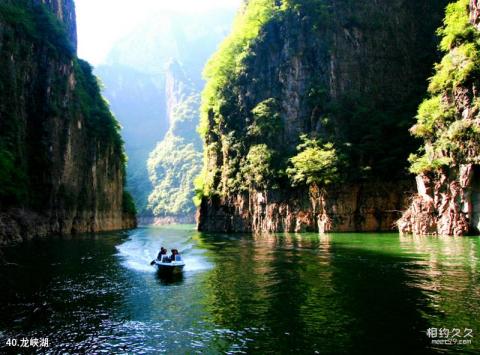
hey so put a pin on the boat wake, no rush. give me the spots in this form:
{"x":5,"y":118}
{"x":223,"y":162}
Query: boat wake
{"x":142,"y":247}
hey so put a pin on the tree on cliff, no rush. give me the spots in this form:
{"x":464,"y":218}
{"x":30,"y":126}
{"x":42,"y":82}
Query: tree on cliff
{"x":294,"y":67}
{"x":449,"y":124}
{"x":315,"y":164}
{"x":257,"y":169}
{"x":448,"y":120}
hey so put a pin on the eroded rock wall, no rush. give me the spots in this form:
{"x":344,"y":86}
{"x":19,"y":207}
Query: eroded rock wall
{"x":64,"y":10}
{"x":446,"y":202}
{"x":442,"y":205}
{"x":61,"y":157}
{"x":341,"y":79}
{"x":359,"y":207}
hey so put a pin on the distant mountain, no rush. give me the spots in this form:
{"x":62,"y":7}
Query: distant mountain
{"x":189,"y":38}
{"x":166,"y":49}
{"x":177,"y":160}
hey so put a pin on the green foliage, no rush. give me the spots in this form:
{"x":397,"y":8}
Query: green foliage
{"x":257,"y":169}
{"x":17,"y":15}
{"x":210,"y":173}
{"x":236,"y":117}
{"x":176,"y":161}
{"x":25,"y":164}
{"x":103,"y":128}
{"x":425,"y":163}
{"x":456,"y":67}
{"x":267,"y":123}
{"x":128,"y":204}
{"x":457,"y":28}
{"x":223,"y":131}
{"x":319,"y":10}
{"x":37,"y":22}
{"x":228,"y":61}
{"x":315,"y":164}
{"x":172,"y":167}
{"x":433,"y":114}
{"x":101,"y":123}
{"x":219,"y":96}
{"x":198,"y":184}
{"x":185,"y":117}
{"x":23,"y":20}
{"x":449,"y":138}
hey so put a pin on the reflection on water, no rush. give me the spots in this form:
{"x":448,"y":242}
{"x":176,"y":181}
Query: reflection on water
{"x":170,"y":278}
{"x":338,"y":293}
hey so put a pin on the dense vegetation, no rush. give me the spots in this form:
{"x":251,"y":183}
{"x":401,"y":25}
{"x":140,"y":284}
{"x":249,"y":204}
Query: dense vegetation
{"x":136,"y":76}
{"x":102,"y":125}
{"x":315,"y":164}
{"x":128,"y":206}
{"x":228,"y":61}
{"x":358,"y":135}
{"x":218,"y":102}
{"x":39,"y":25}
{"x":176,"y":161}
{"x":28,"y":22}
{"x":450,"y":139}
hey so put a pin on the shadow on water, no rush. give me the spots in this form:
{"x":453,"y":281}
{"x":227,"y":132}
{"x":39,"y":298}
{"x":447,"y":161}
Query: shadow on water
{"x":169,"y":278}
{"x":61,"y":288}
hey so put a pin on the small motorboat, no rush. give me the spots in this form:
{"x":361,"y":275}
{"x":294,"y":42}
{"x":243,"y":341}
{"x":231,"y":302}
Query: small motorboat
{"x":168,"y":265}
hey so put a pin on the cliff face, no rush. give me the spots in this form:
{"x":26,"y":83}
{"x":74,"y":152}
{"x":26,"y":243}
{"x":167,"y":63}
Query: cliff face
{"x":475,"y":13}
{"x":141,"y":87}
{"x":448,"y":181}
{"x":177,"y":88}
{"x":355,"y":207}
{"x":350,"y":73}
{"x":177,"y":159}
{"x":61,"y":155}
{"x":64,"y":10}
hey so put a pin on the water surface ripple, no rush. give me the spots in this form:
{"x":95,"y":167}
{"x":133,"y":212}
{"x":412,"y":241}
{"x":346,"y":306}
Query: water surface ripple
{"x":265,"y":294}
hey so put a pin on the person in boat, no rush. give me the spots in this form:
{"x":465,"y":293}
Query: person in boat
{"x":160,"y":255}
{"x":162,"y":252}
{"x":174,"y":253}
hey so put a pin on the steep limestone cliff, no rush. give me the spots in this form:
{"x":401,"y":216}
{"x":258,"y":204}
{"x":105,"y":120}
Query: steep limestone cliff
{"x":177,"y":159}
{"x":448,"y":166}
{"x":139,"y":86}
{"x":61,"y":154}
{"x":350,"y":73}
{"x":64,"y":10}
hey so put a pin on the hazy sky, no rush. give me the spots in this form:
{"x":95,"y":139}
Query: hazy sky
{"x":103,"y":22}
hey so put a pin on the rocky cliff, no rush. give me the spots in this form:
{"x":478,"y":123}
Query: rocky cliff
{"x":61,"y":154}
{"x":448,"y":165}
{"x":177,"y":159}
{"x":141,"y":86}
{"x":349,"y":74}
{"x":64,"y":10}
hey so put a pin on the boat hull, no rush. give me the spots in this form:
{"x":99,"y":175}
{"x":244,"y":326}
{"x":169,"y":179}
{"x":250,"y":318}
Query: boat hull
{"x":173,"y":267}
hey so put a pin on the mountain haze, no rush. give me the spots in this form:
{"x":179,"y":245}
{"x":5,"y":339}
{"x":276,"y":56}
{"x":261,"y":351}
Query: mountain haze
{"x":152,"y":79}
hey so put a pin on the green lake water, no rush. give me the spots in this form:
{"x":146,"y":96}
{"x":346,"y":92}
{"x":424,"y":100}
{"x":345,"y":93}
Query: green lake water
{"x":266,"y":294}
